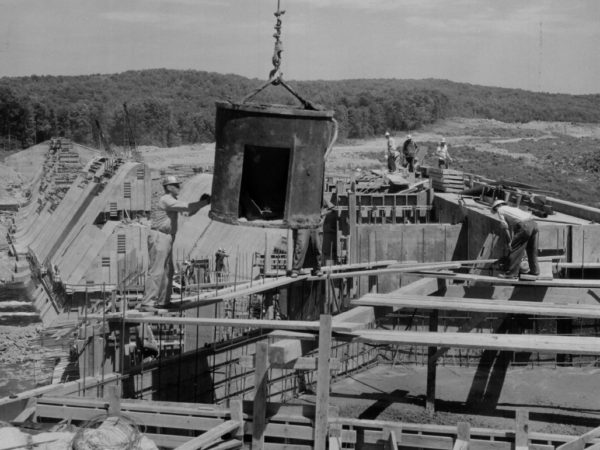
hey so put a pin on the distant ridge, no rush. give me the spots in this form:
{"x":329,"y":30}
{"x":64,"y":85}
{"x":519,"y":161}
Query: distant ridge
{"x":173,"y":107}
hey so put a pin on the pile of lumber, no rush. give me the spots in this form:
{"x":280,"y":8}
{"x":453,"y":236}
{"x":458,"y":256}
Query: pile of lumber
{"x":446,"y":180}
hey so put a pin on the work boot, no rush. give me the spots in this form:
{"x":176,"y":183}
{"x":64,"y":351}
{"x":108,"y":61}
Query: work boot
{"x":508,"y":276}
{"x":317,"y":272}
{"x":294,"y":274}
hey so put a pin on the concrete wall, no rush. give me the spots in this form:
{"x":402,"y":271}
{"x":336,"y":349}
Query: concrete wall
{"x":420,"y":242}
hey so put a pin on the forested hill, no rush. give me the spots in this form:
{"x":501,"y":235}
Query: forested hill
{"x":171,"y":107}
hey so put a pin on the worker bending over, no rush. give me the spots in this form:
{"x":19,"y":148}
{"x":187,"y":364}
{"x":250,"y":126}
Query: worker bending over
{"x":159,"y":279}
{"x":521,"y":232}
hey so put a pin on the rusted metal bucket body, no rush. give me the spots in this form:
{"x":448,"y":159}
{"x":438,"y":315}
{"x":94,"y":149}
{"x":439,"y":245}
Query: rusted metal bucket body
{"x":269,"y":164}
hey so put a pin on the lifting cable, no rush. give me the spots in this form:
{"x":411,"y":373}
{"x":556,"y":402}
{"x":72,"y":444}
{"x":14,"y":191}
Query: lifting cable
{"x":275,"y":75}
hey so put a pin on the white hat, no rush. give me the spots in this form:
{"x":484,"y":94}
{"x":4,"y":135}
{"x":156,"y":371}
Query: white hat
{"x":497,"y":203}
{"x":387,"y":133}
{"x":171,"y":179}
{"x":443,"y":140}
{"x":408,"y":136}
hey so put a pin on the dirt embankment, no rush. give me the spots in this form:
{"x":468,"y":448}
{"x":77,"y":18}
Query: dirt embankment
{"x":20,"y":343}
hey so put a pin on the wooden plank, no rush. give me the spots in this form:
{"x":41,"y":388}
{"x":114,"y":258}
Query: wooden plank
{"x":323,"y":383}
{"x":335,"y":443}
{"x":521,"y":429}
{"x":465,"y":327}
{"x":132,"y":405}
{"x":237,"y":414}
{"x":148,"y":419}
{"x":113,"y":398}
{"x":226,"y":445}
{"x":27,"y":413}
{"x":260,"y":395}
{"x":556,"y":282}
{"x":301,"y":363}
{"x":211,"y":436}
{"x":295,"y":325}
{"x":389,"y":270}
{"x":463,"y":436}
{"x":279,"y":446}
{"x":480,"y":305}
{"x":391,"y":442}
{"x":414,"y":440}
{"x":167,"y":440}
{"x":256,"y":288}
{"x":580,"y":442}
{"x":423,"y":428}
{"x":577,"y":345}
{"x":431,"y":365}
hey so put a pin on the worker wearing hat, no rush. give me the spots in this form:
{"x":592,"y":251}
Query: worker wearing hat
{"x":409,"y":149}
{"x":159,"y":279}
{"x":442,"y":153}
{"x":391,"y":155}
{"x":521,"y":232}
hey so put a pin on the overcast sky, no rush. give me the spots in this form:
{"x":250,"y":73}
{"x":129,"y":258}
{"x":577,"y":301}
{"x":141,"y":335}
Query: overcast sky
{"x":547,"y":45}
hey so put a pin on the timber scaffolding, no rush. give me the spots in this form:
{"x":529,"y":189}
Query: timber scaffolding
{"x":209,"y":349}
{"x":260,"y":423}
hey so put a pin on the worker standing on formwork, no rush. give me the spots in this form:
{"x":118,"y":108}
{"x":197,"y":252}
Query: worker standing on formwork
{"x":391,"y":153}
{"x":409,"y":149}
{"x":442,"y":154}
{"x":159,"y":279}
{"x":521,"y":232}
{"x":305,"y":237}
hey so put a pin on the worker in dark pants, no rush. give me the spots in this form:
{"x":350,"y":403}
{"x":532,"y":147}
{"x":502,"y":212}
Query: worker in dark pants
{"x":521,"y":232}
{"x":409,"y":149}
{"x":305,"y":237}
{"x":159,"y":278}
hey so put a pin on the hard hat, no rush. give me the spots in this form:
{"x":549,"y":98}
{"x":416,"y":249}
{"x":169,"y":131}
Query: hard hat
{"x":387,"y":133}
{"x":497,"y":203}
{"x":408,"y":136}
{"x":170,"y":179}
{"x":443,"y":140}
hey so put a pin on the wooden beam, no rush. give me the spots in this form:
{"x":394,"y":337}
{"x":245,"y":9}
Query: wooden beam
{"x":391,"y":441}
{"x":580,"y":442}
{"x":557,"y":282}
{"x":577,"y":345}
{"x":390,"y":270}
{"x":466,"y":327}
{"x":261,"y":378}
{"x":323,"y":381}
{"x":256,"y":288}
{"x":463,"y":435}
{"x":431,"y":365}
{"x":236,"y":411}
{"x":294,"y":325}
{"x":400,"y":267}
{"x":113,"y":396}
{"x":362,"y":265}
{"x":481,"y":305}
{"x":299,"y":363}
{"x":521,"y":429}
{"x":210,"y":437}
{"x":27,"y":414}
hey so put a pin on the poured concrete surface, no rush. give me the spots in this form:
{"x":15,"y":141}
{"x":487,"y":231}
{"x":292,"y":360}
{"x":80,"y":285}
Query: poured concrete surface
{"x":560,"y":400}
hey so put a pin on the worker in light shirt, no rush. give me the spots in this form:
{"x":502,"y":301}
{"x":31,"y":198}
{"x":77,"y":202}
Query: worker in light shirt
{"x":521,"y":232}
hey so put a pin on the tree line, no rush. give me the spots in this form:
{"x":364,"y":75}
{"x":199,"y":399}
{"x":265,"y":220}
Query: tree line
{"x":172,"y":107}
